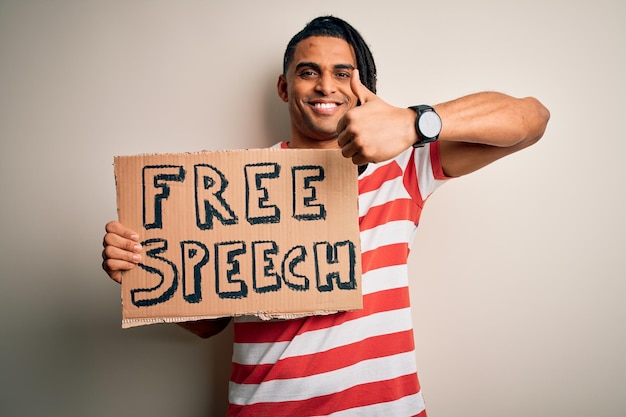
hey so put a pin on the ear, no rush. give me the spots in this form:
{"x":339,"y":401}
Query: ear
{"x":281,"y":87}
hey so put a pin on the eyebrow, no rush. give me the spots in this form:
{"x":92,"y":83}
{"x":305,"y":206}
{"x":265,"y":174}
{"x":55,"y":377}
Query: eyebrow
{"x":317,"y":66}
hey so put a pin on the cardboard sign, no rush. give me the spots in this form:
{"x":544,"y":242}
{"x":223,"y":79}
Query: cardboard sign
{"x":266,"y":232}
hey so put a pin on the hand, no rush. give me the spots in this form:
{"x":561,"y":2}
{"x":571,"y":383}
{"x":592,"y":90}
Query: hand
{"x":375,"y":131}
{"x":121,"y":250}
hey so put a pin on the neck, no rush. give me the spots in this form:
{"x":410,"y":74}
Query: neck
{"x":299,"y":143}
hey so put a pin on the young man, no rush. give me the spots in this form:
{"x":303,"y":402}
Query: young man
{"x":363,"y":362}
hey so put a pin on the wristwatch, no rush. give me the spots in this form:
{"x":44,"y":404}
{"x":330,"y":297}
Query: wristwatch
{"x":427,"y":125}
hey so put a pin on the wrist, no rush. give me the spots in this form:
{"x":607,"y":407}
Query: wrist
{"x":409,"y":121}
{"x":427,"y":125}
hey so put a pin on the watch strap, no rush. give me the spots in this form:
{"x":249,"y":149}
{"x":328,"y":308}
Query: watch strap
{"x":421,"y":138}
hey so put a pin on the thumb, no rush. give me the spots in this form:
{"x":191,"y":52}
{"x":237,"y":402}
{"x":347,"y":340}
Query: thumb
{"x":359,"y":90}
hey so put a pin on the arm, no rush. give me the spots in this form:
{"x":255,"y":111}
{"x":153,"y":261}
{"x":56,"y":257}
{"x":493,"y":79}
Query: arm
{"x":122,"y":252}
{"x":206,"y":328}
{"x":477,"y":129}
{"x":481,"y":128}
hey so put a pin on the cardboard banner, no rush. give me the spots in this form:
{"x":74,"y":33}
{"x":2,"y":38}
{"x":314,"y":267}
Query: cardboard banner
{"x":266,"y":232}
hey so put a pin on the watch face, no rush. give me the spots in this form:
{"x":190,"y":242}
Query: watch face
{"x":430,"y":124}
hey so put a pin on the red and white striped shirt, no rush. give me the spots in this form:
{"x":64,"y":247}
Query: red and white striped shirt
{"x":352,"y":363}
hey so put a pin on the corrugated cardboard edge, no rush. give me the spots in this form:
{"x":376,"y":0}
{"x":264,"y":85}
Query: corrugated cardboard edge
{"x":265,"y":316}
{"x":150,"y":154}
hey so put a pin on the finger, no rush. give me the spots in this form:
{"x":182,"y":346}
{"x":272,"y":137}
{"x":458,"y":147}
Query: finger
{"x":348,"y":150}
{"x":341,"y":126}
{"x":115,"y":262}
{"x":115,"y":240}
{"x":344,"y":136}
{"x":353,"y":151}
{"x":115,"y":269}
{"x":358,"y":159}
{"x":359,"y":90}
{"x":116,"y":265}
{"x":113,"y":253}
{"x":121,"y":230}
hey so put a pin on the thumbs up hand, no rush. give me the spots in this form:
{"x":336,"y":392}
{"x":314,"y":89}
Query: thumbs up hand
{"x":375,"y":131}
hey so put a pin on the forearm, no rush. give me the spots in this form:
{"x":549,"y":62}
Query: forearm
{"x":206,"y":328}
{"x":494,"y":119}
{"x":476,"y":129}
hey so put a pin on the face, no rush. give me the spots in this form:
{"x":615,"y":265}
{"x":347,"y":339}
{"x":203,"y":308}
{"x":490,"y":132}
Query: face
{"x":317,"y":89}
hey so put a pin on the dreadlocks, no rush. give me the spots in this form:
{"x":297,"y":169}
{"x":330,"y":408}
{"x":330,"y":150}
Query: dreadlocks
{"x":337,"y":28}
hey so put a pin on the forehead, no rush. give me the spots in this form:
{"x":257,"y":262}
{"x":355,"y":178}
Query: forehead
{"x":324,"y":50}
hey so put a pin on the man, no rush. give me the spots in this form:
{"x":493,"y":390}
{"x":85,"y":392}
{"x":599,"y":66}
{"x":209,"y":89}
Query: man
{"x":362,"y":362}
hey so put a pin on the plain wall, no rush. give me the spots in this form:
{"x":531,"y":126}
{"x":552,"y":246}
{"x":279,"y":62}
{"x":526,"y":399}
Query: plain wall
{"x":518,"y":277}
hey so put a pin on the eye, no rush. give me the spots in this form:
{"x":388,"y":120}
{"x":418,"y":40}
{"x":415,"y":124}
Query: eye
{"x":308,"y":74}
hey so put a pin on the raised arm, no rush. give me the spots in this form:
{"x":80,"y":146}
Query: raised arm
{"x":477,"y":129}
{"x":481,"y":128}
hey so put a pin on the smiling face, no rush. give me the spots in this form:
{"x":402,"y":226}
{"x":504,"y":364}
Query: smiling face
{"x":317,"y":88}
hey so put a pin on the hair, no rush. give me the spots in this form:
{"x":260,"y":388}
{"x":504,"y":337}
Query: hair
{"x":337,"y":28}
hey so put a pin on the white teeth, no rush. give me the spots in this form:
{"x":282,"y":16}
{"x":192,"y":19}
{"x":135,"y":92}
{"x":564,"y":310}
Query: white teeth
{"x":325,"y":105}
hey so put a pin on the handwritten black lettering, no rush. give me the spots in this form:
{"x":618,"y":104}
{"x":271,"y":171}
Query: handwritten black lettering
{"x":305,"y":194}
{"x":264,"y":276}
{"x":156,"y":177}
{"x":257,"y":209}
{"x":293,"y":280}
{"x":194,"y":256}
{"x":210,"y":184}
{"x":227,"y":267}
{"x":166,"y":270}
{"x":335,"y":263}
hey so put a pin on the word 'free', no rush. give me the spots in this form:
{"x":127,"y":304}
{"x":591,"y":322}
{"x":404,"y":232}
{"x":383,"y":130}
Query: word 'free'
{"x":210,"y":184}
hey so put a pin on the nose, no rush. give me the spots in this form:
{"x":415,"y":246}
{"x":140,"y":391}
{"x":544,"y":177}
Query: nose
{"x":326,"y":84}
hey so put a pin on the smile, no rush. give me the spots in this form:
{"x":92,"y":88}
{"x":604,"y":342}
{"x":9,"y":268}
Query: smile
{"x":325,"y":105}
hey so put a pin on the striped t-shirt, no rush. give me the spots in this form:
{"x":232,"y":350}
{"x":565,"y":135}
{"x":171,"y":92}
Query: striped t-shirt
{"x":358,"y":363}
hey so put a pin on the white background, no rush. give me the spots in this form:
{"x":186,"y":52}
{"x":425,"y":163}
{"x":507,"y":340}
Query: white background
{"x":518,"y":278}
